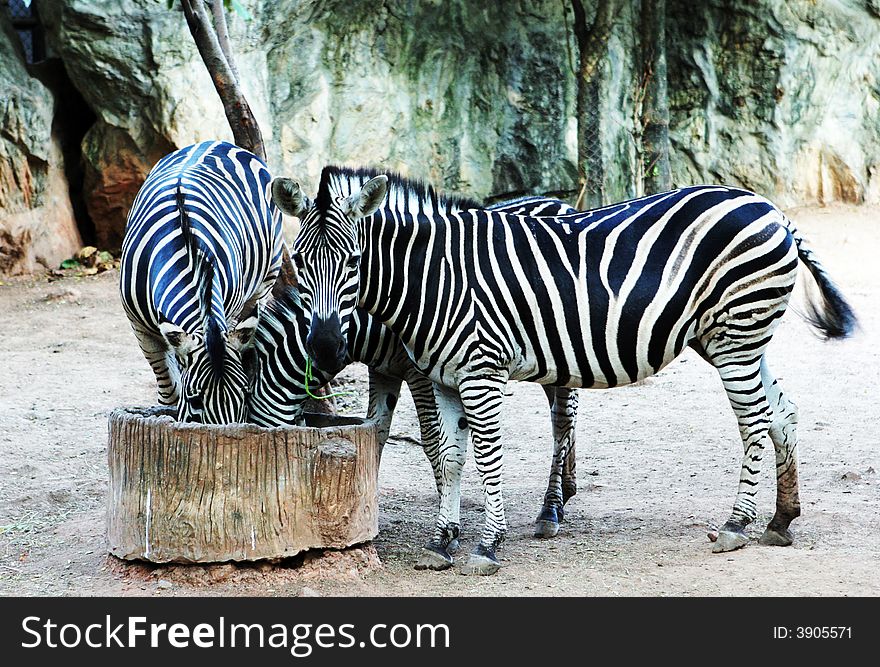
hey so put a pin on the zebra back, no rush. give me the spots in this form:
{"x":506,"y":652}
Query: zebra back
{"x":279,"y":390}
{"x":202,"y":246}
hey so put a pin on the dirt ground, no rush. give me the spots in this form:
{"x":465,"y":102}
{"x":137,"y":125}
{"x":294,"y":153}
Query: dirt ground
{"x":658,"y":465}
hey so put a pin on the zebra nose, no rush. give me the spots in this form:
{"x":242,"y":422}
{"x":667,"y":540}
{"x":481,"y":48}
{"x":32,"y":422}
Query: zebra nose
{"x":325,"y":344}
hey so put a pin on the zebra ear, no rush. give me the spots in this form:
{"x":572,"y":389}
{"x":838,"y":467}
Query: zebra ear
{"x":287,"y":196}
{"x":364,"y":203}
{"x":242,"y":336}
{"x":179,"y":340}
{"x":286,"y":277}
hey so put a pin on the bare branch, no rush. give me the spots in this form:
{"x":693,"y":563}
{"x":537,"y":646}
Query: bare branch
{"x":223,"y":34}
{"x":241,"y":119}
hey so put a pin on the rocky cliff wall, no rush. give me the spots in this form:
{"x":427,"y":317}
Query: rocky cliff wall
{"x":37,"y":226}
{"x":781,"y":97}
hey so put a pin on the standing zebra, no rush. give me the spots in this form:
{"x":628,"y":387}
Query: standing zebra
{"x":596,"y":299}
{"x":202,"y":245}
{"x":279,"y":390}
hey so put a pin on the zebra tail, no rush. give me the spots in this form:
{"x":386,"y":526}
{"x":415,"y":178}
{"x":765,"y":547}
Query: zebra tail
{"x":215,"y":341}
{"x":185,"y":228}
{"x":829,"y":311}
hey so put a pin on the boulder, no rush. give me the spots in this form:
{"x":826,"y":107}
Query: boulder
{"x":37,"y":226}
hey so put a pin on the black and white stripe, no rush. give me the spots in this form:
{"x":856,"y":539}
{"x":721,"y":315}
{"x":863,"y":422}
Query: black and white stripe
{"x":599,"y":299}
{"x":280,"y":358}
{"x":202,"y":246}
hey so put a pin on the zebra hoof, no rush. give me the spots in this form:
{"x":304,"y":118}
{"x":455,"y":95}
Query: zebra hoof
{"x":547,"y":523}
{"x":435,"y":558}
{"x":776,"y":538}
{"x":482,"y":562}
{"x":545,"y":529}
{"x":453,"y":546}
{"x":729,"y":541}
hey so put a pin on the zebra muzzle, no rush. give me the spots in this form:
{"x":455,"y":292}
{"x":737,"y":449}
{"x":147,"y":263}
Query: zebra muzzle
{"x":326,"y":345}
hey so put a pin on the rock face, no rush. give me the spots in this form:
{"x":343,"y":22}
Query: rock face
{"x":780,"y":96}
{"x":346,"y":82}
{"x":37,"y":227}
{"x":135,"y":65}
{"x":476,"y":97}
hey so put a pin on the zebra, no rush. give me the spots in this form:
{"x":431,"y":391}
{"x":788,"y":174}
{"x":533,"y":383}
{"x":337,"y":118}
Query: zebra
{"x":597,"y":299}
{"x":278,"y":368}
{"x":202,"y":246}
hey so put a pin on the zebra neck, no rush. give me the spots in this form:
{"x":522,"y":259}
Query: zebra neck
{"x":395,"y":257}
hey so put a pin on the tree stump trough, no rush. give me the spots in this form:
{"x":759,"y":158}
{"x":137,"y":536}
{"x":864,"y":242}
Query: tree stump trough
{"x":190,"y":493}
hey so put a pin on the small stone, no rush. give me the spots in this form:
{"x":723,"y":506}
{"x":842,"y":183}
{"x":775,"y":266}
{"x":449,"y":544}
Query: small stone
{"x":60,"y":496}
{"x":307,"y":592}
{"x":62,"y":294}
{"x":851,"y":476}
{"x":164,"y":584}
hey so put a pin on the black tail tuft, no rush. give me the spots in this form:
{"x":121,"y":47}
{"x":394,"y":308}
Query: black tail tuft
{"x":832,"y":315}
{"x":216,"y":346}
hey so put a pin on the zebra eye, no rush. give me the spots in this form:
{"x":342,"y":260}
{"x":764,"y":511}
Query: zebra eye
{"x":353,"y":261}
{"x":297,"y":260}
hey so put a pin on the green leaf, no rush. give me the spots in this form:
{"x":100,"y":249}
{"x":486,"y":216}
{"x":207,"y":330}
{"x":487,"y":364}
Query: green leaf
{"x":70,"y":264}
{"x":239,"y":9}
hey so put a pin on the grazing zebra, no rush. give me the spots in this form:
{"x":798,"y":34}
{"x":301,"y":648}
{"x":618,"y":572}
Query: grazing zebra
{"x":279,"y":392}
{"x":202,"y":245}
{"x":596,"y":299}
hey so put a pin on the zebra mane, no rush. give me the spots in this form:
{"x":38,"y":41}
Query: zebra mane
{"x":215,"y":343}
{"x":285,"y":305}
{"x":412,"y":194}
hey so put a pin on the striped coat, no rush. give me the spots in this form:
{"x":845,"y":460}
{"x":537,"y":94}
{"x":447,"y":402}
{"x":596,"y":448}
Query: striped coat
{"x":595,"y":299}
{"x":202,"y":246}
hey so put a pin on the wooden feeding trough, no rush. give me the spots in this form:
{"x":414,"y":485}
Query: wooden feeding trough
{"x":190,"y":493}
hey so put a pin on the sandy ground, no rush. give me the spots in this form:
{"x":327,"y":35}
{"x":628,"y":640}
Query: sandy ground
{"x":658,"y":465}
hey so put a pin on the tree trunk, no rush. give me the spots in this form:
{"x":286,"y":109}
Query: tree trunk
{"x":211,"y":36}
{"x":217,"y":57}
{"x":222,"y":30}
{"x":592,"y":44}
{"x":189,"y":493}
{"x":655,"y":108}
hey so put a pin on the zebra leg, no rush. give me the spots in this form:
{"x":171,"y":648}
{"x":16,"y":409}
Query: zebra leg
{"x":452,"y":451}
{"x":162,"y":361}
{"x":569,"y":468}
{"x":745,"y":391}
{"x":481,"y":397}
{"x":384,"y":392}
{"x":783,"y":433}
{"x":563,"y":412}
{"x":422,"y":391}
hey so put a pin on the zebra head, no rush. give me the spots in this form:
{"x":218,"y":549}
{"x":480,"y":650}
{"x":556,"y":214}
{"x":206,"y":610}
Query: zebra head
{"x":326,"y":255}
{"x":213,"y":380}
